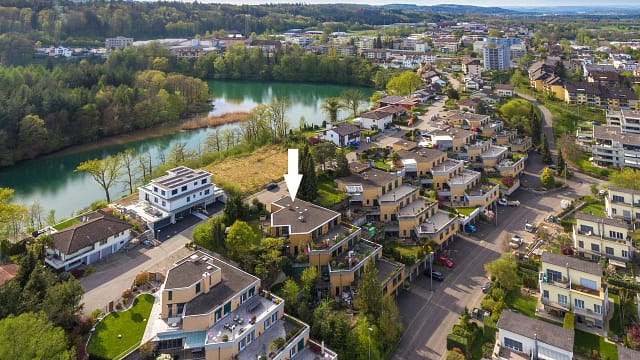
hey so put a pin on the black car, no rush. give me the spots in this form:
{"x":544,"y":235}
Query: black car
{"x":436,"y":275}
{"x":271,"y":186}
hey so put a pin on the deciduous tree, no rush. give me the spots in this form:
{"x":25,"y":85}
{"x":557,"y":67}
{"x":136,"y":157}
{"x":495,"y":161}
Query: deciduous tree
{"x":104,"y":171}
{"x":404,"y":84}
{"x":370,"y":292}
{"x":32,"y":336}
{"x":241,"y":239}
{"x":505,"y":270}
{"x":351,"y":99}
{"x":626,"y":178}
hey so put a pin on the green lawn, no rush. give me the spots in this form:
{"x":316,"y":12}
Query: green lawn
{"x":594,"y":207}
{"x":65,"y":224}
{"x":381,"y":164}
{"x":104,"y":342}
{"x":586,"y":343}
{"x":525,"y":305}
{"x":567,"y":117}
{"x":328,"y":195}
{"x":466,"y":211}
{"x":614,"y":324}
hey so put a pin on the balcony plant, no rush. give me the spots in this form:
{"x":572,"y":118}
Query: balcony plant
{"x":225,"y":338}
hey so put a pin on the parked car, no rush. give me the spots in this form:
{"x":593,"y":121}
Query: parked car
{"x":552,"y":167}
{"x":470,"y":228}
{"x":530,"y":228}
{"x":502,"y":202}
{"x":445,"y":262}
{"x":486,"y":287}
{"x":516,"y":241}
{"x":271,"y":186}
{"x":513,"y":203}
{"x":435,"y":275}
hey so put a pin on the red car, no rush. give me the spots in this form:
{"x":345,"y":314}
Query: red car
{"x":445,"y":262}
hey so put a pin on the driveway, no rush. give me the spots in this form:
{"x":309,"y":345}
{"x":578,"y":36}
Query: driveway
{"x":547,"y":121}
{"x":268,"y":196}
{"x":429,"y":316}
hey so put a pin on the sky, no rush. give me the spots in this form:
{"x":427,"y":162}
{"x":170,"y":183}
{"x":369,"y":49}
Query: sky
{"x":500,"y":3}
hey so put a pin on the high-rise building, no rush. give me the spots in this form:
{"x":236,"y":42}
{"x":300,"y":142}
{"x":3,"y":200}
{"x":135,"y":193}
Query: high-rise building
{"x":499,"y":61}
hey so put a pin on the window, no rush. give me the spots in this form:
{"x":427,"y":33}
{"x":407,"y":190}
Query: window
{"x":562,"y":299}
{"x":252,"y":292}
{"x":586,"y":229}
{"x":512,"y":344}
{"x":174,"y":191}
{"x":614,"y":211}
{"x":218,"y":314}
{"x":274,"y":318}
{"x":164,"y":203}
{"x":188,"y":198}
{"x":615,"y":234}
{"x":242,"y":344}
{"x":184,"y":188}
{"x":608,"y":250}
{"x":243,"y":298}
{"x":155,"y":200}
{"x":618,"y":198}
{"x":579,"y":304}
{"x":267,"y":324}
{"x":206,"y":192}
{"x":545,"y":294}
{"x":155,"y":189}
{"x":553,"y":275}
{"x":227,"y":308}
{"x":597,"y":309}
{"x":292,"y":352}
{"x":169,"y":295}
{"x":195,"y":183}
{"x":595,"y":247}
{"x":204,"y":181}
{"x":197,"y":288}
{"x":581,"y":244}
{"x":625,"y":254}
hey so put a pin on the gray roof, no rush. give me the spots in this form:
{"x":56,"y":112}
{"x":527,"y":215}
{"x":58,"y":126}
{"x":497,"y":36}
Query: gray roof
{"x":378,"y":177}
{"x":533,"y":328}
{"x":398,"y":193}
{"x":624,"y":353}
{"x":613,"y":133}
{"x":436,"y":222}
{"x":572,"y":262}
{"x":468,"y":116}
{"x":386,"y":268}
{"x":179,"y":176}
{"x":447,"y":165}
{"x":188,"y":272}
{"x":454,"y":133}
{"x":302,"y":217}
{"x":630,"y":113}
{"x":422,"y":154}
{"x":624,"y":190}
{"x":504,"y":86}
{"x":375,"y":114}
{"x":406,"y":143}
{"x":605,"y":220}
{"x":93,"y":228}
{"x":345,"y":128}
{"x":233,"y":281}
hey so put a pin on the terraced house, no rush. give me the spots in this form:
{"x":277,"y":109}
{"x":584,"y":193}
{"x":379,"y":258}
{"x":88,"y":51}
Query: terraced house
{"x":570,"y":284}
{"x":599,"y":237}
{"x":621,"y":203}
{"x":334,"y":248}
{"x":462,"y":187}
{"x":209,"y":309}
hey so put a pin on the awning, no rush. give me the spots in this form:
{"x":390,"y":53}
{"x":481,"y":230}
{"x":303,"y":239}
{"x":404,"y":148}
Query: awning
{"x":618,"y":263}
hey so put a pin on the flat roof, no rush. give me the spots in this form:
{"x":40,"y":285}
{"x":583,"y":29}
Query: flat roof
{"x":454,"y":133}
{"x":494,"y":151}
{"x":179,"y":176}
{"x":448,"y":165}
{"x":421,"y":155}
{"x":468,"y":116}
{"x":572,"y":263}
{"x":372,"y":176}
{"x":386,"y":268}
{"x":436,"y":222}
{"x":463,"y":177}
{"x":186,"y":273}
{"x":536,"y":329}
{"x":302,"y":217}
{"x":398,"y":193}
{"x":624,"y":190}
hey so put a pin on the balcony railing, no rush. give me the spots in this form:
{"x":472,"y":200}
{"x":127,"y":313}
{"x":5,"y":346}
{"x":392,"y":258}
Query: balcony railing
{"x":548,"y":302}
{"x":563,"y":283}
{"x":588,"y":313}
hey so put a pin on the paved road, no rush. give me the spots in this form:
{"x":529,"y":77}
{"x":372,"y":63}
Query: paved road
{"x":268,"y":196}
{"x":548,"y":119}
{"x":428,"y":317}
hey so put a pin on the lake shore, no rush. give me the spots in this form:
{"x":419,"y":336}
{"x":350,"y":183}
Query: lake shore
{"x":213,"y":121}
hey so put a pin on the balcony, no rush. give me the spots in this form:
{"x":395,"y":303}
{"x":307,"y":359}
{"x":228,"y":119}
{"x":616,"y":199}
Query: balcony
{"x":482,"y":192}
{"x":355,"y":257}
{"x":546,"y":301}
{"x":588,"y":313}
{"x":464,"y":179}
{"x":585,"y":290}
{"x":328,"y":242}
{"x":563,"y":283}
{"x":414,"y":209}
{"x":287,"y":328}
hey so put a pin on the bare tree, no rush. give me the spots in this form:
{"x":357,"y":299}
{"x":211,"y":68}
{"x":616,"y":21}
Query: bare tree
{"x":178,"y":153}
{"x":212,"y":142}
{"x":35,"y":215}
{"x":278,"y":123}
{"x":127,"y":158}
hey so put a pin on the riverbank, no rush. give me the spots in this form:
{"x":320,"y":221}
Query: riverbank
{"x":213,"y":121}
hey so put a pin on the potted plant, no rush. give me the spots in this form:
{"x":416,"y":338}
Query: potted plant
{"x":225,"y":338}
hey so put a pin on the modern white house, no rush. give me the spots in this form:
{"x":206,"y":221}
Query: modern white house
{"x":520,"y":335}
{"x":95,"y":236}
{"x":342,"y":134}
{"x":168,"y":198}
{"x":374,"y":119}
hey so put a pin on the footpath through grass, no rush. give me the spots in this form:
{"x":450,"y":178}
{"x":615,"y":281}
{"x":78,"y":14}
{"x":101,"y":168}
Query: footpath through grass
{"x":104,"y":342}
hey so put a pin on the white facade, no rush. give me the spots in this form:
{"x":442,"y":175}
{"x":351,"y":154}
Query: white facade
{"x":374,"y":123}
{"x":525,"y":345}
{"x":87,"y":255}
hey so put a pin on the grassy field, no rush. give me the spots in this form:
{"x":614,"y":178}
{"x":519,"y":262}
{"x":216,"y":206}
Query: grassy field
{"x":328,"y":195}
{"x":593,"y":207}
{"x":65,"y":224}
{"x":130,"y":324}
{"x":251,"y":172}
{"x":589,"y":344}
{"x":525,"y":305}
{"x":567,"y":117}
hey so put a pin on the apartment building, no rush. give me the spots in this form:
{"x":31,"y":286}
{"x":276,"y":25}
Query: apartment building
{"x":424,"y":159}
{"x":612,"y":148}
{"x":621,"y":203}
{"x":496,"y":57}
{"x":366,"y":187}
{"x":602,"y":238}
{"x":628,"y":121}
{"x":207,"y":308}
{"x":522,"y":337}
{"x":484,"y":154}
{"x":450,"y":138}
{"x":168,"y":198}
{"x":570,"y":284}
{"x":118,"y":42}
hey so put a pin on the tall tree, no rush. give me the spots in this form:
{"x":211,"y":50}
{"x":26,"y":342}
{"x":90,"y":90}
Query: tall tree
{"x":324,"y":152}
{"x":626,"y":178}
{"x":560,"y":163}
{"x":331,"y":106}
{"x":32,"y":336}
{"x":404,"y":84}
{"x":389,"y":323}
{"x":127,"y":157}
{"x":352,"y":99}
{"x":241,"y":239}
{"x":370,"y":292}
{"x":505,"y":269}
{"x":342,"y":165}
{"x":104,"y":171}
{"x":309,"y":185}
{"x":62,"y":303}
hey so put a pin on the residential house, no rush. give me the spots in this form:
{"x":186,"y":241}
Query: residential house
{"x":468,"y":104}
{"x":504,"y":90}
{"x":604,"y":78}
{"x":367,"y":186}
{"x":118,"y":42}
{"x":523,"y":337}
{"x":593,"y":94}
{"x":439,"y":227}
{"x":612,"y":148}
{"x":627,"y":120}
{"x":602,"y":238}
{"x":404,"y":145}
{"x":396,"y":111}
{"x":568,"y":284}
{"x":343,"y":134}
{"x":267,"y":47}
{"x":95,"y":236}
{"x":621,"y":203}
{"x":208,"y":308}
{"x":167,"y":199}
{"x":486,"y":96}
{"x":374,"y":119}
{"x":450,"y":138}
{"x":389,"y":100}
{"x":521,"y":144}
{"x":424,"y":159}
{"x":7,"y":272}
{"x":472,"y":67}
{"x":481,"y":124}
{"x":472,"y":84}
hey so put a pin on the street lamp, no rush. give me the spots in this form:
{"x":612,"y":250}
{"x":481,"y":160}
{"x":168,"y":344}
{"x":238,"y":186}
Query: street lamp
{"x":369,"y":338}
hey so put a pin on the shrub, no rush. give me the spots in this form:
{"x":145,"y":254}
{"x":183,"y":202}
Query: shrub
{"x":569,"y":321}
{"x":277,"y":344}
{"x":90,"y":270}
{"x":566,"y":250}
{"x":127,"y":294}
{"x":508,"y":181}
{"x":96,"y":313}
{"x":142,"y":278}
{"x":456,"y":341}
{"x":225,"y":337}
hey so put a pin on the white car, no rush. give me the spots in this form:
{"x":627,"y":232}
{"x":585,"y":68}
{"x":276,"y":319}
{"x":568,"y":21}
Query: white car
{"x":516,"y":241}
{"x":502,"y":202}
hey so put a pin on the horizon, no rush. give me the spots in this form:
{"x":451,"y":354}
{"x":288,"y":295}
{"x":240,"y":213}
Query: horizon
{"x":479,"y":3}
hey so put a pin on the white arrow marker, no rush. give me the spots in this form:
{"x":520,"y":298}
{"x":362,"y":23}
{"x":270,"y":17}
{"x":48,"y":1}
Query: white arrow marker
{"x":293,"y":179}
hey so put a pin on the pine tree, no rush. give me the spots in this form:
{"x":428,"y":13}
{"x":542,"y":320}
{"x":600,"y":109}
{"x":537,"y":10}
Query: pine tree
{"x":343,"y":165}
{"x":560,"y":164}
{"x":309,"y":184}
